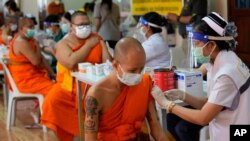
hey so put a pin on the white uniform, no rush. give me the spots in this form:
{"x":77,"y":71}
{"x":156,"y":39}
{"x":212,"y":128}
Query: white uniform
{"x":225,"y":77}
{"x":157,"y":51}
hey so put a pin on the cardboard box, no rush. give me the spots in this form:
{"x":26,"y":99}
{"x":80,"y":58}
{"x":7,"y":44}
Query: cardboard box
{"x":190,"y":81}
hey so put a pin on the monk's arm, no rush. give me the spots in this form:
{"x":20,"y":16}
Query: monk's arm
{"x":69,"y":58}
{"x":105,"y":53}
{"x":34,"y":56}
{"x":48,"y":67}
{"x":92,"y":108}
{"x":44,"y":63}
{"x":155,"y":127}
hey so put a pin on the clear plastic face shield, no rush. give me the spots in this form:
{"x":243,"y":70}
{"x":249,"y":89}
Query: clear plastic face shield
{"x":200,"y":41}
{"x":139,"y":33}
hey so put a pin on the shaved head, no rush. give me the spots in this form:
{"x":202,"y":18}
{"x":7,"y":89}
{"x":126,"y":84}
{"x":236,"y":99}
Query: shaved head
{"x":128,"y":47}
{"x":129,"y":56}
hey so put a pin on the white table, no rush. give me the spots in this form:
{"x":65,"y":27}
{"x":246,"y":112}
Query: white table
{"x":88,"y":80}
{"x":4,"y":84}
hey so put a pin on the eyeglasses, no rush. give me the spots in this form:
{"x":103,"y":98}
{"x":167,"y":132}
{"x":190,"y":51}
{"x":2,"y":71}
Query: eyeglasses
{"x":82,"y":24}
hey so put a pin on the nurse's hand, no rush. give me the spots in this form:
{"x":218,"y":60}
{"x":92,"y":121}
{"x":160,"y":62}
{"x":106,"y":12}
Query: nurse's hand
{"x":160,"y":98}
{"x":175,"y":94}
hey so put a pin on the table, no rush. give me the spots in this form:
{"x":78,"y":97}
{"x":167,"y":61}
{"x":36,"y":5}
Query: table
{"x":4,"y":83}
{"x":88,"y":80}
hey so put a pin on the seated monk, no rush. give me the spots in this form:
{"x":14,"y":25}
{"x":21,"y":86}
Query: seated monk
{"x":117,"y":106}
{"x":27,"y":66}
{"x":81,"y":45}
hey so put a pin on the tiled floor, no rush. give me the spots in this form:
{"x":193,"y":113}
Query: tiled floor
{"x":18,"y":132}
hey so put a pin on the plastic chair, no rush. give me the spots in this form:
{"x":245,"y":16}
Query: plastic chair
{"x":15,"y":94}
{"x":204,"y":133}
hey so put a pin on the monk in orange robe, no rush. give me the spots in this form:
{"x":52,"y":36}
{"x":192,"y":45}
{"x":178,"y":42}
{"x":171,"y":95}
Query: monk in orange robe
{"x":28,"y":67}
{"x":117,"y":106}
{"x":81,"y":45}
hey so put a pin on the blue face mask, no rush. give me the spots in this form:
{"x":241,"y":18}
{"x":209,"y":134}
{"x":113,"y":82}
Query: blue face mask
{"x":198,"y":53}
{"x":49,"y":33}
{"x":30,"y":33}
{"x":64,"y":27}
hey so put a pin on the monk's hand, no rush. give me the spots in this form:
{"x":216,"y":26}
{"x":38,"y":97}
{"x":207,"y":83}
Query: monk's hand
{"x":160,"y":98}
{"x":92,"y":41}
{"x":175,"y":94}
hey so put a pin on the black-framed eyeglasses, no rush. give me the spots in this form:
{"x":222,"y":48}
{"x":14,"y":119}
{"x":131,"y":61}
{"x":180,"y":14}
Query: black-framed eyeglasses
{"x":82,"y":24}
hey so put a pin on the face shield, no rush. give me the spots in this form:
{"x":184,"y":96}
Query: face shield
{"x":200,"y":41}
{"x":139,"y":34}
{"x":144,"y":22}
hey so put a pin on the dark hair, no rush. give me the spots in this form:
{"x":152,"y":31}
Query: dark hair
{"x":92,"y":6}
{"x":204,"y":28}
{"x":157,"y":19}
{"x":30,"y":16}
{"x":78,"y":13}
{"x":108,"y":2}
{"x":52,"y":19}
{"x":12,"y":5}
{"x":67,"y":16}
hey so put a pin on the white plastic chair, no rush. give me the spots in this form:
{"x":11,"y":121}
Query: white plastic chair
{"x":15,"y":94}
{"x":204,"y":133}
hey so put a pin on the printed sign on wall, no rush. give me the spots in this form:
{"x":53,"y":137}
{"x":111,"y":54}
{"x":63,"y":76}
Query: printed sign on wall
{"x":140,"y":7}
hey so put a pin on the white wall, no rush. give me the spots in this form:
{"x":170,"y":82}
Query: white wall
{"x":29,"y":6}
{"x":219,"y":6}
{"x":74,"y":4}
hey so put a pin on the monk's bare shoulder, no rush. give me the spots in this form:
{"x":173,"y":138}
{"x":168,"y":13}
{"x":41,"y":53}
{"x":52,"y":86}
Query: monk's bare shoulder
{"x":102,"y":89}
{"x":66,"y":42}
{"x":21,"y":42}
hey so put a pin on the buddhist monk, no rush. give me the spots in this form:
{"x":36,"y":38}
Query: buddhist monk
{"x":28,"y":67}
{"x":81,"y":45}
{"x":117,"y":106}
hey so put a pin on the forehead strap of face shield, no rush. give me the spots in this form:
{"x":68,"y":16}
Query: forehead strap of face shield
{"x":144,"y":22}
{"x":205,"y":38}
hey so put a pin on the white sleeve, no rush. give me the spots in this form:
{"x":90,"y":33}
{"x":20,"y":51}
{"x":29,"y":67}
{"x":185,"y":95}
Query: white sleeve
{"x":149,"y":50}
{"x":224,"y":92}
{"x":97,"y":11}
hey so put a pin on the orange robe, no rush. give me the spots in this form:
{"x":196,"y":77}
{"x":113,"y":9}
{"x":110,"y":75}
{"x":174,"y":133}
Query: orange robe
{"x":28,"y":78}
{"x":1,"y":38}
{"x":123,"y":121}
{"x":56,"y":9}
{"x":60,"y":110}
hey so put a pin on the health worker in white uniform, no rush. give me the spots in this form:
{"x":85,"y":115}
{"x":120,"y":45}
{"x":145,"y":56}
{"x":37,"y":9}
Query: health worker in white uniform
{"x":156,"y":48}
{"x":228,"y":88}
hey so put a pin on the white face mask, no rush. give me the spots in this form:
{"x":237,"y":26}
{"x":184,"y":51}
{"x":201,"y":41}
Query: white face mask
{"x":140,"y":35}
{"x":83,"y":32}
{"x":130,"y":79}
{"x":13,"y":27}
